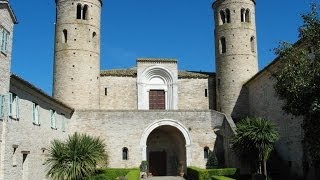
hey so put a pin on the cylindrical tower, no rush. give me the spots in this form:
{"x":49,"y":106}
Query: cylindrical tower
{"x":236,"y":54}
{"x":77,"y":53}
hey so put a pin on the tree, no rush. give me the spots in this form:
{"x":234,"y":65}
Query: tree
{"x":298,"y":80}
{"x":76,"y":158}
{"x":255,"y":140}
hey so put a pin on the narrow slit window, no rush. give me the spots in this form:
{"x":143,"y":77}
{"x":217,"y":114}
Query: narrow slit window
{"x":65,"y":36}
{"x":223,"y":45}
{"x":124,"y":153}
{"x":228,"y":16}
{"x":79,"y":8}
{"x":247,"y":15}
{"x":223,"y":17}
{"x":2,"y":106}
{"x":206,"y":153}
{"x":242,"y":15}
{"x":106,"y":91}
{"x":85,"y":12}
{"x":35,"y":114}
{"x":206,"y":93}
{"x":253,"y":44}
{"x":94,"y":34}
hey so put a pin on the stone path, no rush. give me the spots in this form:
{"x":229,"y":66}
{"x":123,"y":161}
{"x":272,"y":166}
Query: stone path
{"x":165,"y":178}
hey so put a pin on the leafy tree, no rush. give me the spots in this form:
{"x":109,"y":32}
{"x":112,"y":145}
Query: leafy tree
{"x":76,"y":158}
{"x":298,"y":80}
{"x":212,"y":161}
{"x":255,"y":140}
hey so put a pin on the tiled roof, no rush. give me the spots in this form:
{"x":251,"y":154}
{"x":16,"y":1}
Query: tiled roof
{"x":133,"y":73}
{"x":157,"y":60}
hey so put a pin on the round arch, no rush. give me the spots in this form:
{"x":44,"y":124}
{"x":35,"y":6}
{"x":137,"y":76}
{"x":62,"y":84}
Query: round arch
{"x":166,"y":122}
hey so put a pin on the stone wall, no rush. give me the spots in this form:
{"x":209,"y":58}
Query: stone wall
{"x":121,"y":93}
{"x":191,"y":93}
{"x":25,"y":144}
{"x":264,"y":103}
{"x":127,"y":128}
{"x":5,"y":59}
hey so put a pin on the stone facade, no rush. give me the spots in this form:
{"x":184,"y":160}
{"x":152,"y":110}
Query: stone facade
{"x":113,"y":104}
{"x":264,"y":103}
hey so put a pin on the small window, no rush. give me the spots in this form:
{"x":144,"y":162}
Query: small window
{"x":35,"y":114}
{"x":65,"y":36}
{"x":206,"y":92}
{"x":223,"y":17}
{"x":228,"y":16}
{"x":53,"y":119}
{"x":1,"y":106}
{"x":63,"y":123}
{"x":14,"y":155}
{"x":94,"y":34}
{"x":206,"y":152}
{"x":242,"y":15}
{"x":13,"y":106}
{"x":85,"y":12}
{"x":124,"y":153}
{"x":247,"y":16}
{"x":223,"y":45}
{"x":253,"y":44}
{"x":4,"y":41}
{"x":106,"y":91}
{"x":79,"y":8}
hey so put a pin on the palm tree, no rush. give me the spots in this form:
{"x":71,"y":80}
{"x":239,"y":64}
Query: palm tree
{"x":255,"y":139}
{"x":76,"y":158}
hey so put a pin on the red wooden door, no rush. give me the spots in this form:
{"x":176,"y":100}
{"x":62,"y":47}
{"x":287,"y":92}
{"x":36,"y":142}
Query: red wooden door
{"x":157,"y":99}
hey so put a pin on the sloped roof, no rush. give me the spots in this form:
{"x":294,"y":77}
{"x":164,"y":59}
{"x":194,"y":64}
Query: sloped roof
{"x":13,"y":16}
{"x":28,"y":84}
{"x":133,"y":73}
{"x":99,"y":0}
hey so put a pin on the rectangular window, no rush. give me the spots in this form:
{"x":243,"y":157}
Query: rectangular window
{"x":1,"y":106}
{"x":4,"y":40}
{"x":13,"y":107}
{"x":206,"y":92}
{"x":35,"y":114}
{"x":157,"y":99}
{"x":106,"y":91}
{"x":53,"y":119}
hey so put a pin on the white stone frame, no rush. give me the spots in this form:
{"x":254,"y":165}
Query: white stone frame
{"x":169,"y":86}
{"x":166,"y":122}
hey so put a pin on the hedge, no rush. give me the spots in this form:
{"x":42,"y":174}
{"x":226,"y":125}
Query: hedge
{"x":221,"y":178}
{"x":112,"y":174}
{"x":206,"y":174}
{"x":133,"y":175}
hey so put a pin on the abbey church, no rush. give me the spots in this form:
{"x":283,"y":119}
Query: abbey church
{"x":153,"y":112}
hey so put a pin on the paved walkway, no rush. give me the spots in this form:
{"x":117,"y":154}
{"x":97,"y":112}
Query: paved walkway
{"x":165,"y":178}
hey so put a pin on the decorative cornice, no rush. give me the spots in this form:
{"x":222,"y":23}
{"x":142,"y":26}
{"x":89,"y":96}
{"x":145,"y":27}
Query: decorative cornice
{"x":158,"y":60}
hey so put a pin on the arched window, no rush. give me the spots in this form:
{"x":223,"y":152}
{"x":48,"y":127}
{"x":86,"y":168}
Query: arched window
{"x":79,"y":11}
{"x":223,"y":45}
{"x":242,"y":15}
{"x":65,"y":36}
{"x":124,"y":153}
{"x":85,"y":12}
{"x":205,"y":152}
{"x":223,"y":17}
{"x":247,"y":15}
{"x":228,"y":15}
{"x":253,"y":44}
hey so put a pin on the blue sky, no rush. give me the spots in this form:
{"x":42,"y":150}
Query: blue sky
{"x":146,"y":28}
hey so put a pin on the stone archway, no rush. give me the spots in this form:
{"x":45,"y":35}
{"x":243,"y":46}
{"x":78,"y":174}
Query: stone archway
{"x":169,"y":140}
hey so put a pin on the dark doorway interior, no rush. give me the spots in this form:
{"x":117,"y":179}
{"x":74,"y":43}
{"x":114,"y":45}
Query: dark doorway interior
{"x":158,"y":163}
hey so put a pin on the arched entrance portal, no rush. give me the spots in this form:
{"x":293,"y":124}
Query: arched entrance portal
{"x":166,"y":152}
{"x":165,"y":145}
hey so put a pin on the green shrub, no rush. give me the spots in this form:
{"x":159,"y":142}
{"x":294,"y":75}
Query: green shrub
{"x":212,"y":161}
{"x":144,"y":166}
{"x":112,"y":174}
{"x":206,"y":174}
{"x":221,"y":178}
{"x":133,"y":175}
